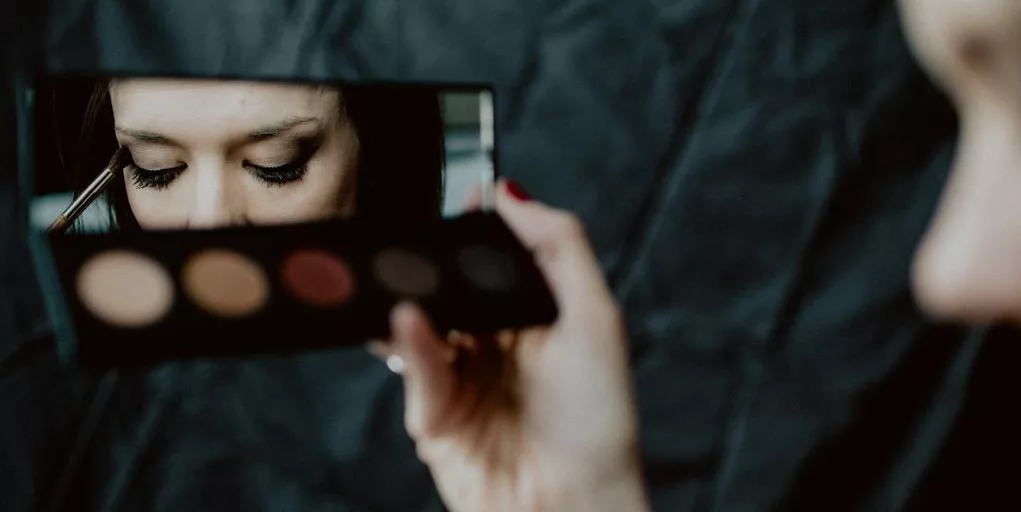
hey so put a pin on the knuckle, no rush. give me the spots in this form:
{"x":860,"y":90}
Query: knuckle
{"x":568,"y":225}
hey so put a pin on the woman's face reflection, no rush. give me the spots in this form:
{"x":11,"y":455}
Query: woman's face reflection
{"x":211,"y":154}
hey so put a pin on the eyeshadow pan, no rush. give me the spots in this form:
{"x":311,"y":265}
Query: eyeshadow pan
{"x":487,"y":268}
{"x":406,"y":273}
{"x":225,"y":283}
{"x":317,"y":277}
{"x":125,"y":288}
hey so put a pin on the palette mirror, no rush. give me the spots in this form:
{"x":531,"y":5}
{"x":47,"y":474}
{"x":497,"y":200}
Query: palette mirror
{"x":206,"y":153}
{"x":199,"y":217}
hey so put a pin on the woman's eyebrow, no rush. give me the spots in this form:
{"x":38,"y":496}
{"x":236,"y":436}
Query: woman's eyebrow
{"x":268,"y":132}
{"x":147,"y":136}
{"x":261,"y":134}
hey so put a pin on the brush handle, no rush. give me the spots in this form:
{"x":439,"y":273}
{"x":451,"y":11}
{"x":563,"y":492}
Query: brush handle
{"x":59,"y":225}
{"x":82,"y":202}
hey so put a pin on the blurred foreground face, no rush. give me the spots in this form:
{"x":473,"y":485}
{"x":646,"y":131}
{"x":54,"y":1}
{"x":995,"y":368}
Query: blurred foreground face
{"x":968,"y":266}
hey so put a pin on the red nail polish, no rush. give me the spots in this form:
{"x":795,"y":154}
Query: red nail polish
{"x":517,"y":191}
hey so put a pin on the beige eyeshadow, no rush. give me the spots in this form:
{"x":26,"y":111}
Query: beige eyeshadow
{"x":125,"y":288}
{"x":225,"y":283}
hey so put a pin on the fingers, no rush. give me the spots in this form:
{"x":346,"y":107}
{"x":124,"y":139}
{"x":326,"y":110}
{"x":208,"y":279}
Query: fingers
{"x":562,"y":253}
{"x":383,"y":351}
{"x":379,"y":349}
{"x":429,"y":383}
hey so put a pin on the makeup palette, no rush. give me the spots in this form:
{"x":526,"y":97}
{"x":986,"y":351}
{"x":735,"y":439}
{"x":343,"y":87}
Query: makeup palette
{"x":151,"y":296}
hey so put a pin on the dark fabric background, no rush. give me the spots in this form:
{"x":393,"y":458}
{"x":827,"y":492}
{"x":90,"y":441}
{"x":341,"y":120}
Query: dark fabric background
{"x":753,"y":173}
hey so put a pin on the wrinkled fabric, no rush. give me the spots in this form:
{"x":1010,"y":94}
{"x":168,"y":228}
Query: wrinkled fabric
{"x":754,"y":175}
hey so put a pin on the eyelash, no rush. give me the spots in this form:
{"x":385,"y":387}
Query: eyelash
{"x":160,"y":179}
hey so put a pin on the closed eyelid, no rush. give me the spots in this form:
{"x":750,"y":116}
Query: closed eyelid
{"x":152,"y":157}
{"x":295,"y":137}
{"x":286,"y":150}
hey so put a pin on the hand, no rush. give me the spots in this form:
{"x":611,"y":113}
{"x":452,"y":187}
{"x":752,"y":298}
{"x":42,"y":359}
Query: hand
{"x":537,"y":419}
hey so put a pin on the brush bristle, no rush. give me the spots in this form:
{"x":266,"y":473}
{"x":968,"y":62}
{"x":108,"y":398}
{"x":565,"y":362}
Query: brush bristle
{"x":121,"y":158}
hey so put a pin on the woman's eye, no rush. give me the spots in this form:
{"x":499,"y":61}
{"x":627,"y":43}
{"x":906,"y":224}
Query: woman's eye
{"x":158,"y":179}
{"x":281,"y":175}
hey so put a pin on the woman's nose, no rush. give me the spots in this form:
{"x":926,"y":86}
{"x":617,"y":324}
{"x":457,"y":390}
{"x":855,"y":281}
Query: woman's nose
{"x":968,"y":267}
{"x":215,"y":200}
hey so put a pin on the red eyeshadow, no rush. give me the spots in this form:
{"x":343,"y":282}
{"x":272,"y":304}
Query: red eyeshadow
{"x":317,"y":277}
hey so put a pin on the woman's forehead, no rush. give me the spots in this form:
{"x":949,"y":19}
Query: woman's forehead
{"x":221,"y":88}
{"x":216,"y":106}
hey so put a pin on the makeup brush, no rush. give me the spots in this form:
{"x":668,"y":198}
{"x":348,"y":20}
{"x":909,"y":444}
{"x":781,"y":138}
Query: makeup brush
{"x":121,"y":158}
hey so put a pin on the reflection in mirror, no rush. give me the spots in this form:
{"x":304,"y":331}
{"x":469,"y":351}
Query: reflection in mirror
{"x":208,"y":153}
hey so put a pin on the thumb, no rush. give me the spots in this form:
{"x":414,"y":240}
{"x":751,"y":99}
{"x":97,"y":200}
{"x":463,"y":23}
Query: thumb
{"x":428,"y":379}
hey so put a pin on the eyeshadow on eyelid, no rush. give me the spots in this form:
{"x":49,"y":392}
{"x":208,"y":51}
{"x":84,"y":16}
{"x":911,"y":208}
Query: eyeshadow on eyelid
{"x":278,"y":148}
{"x":152,"y":160}
{"x":301,"y":142}
{"x":286,"y":152}
{"x":145,"y":149}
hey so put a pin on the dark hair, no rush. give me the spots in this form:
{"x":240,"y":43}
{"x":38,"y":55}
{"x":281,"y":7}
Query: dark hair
{"x":401,"y":151}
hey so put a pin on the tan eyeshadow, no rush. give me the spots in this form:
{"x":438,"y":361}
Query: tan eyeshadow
{"x":125,"y":288}
{"x":225,"y":283}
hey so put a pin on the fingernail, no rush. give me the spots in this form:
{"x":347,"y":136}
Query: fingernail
{"x":517,"y":191}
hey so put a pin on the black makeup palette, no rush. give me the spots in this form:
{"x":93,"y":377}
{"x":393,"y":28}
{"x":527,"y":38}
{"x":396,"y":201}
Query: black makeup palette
{"x":121,"y":293}
{"x":151,"y":296}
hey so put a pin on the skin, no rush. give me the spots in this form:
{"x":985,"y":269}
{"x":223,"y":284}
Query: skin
{"x":208,"y":130}
{"x":968,"y":266}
